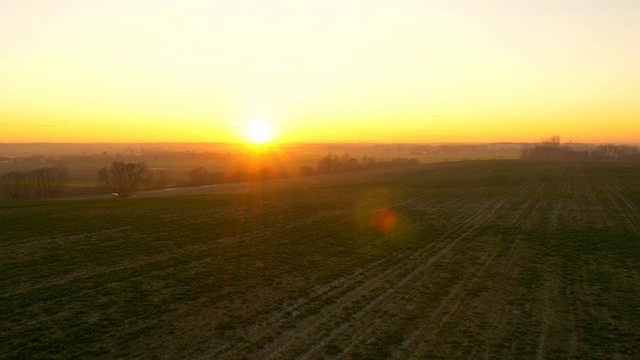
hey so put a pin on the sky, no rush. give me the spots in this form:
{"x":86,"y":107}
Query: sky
{"x":320,"y":70}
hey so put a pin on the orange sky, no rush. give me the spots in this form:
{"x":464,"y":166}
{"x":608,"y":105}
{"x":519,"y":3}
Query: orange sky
{"x":319,"y":71}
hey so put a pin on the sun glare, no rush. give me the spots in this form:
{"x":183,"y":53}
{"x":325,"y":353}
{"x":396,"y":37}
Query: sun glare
{"x":260,"y":132}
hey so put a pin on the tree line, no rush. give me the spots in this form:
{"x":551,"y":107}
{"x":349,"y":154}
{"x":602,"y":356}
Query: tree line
{"x":40,"y":183}
{"x":342,"y":163}
{"x":125,"y":178}
{"x":551,"y":149}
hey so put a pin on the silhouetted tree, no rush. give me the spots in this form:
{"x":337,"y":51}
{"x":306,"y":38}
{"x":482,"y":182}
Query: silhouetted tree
{"x":199,"y":176}
{"x":48,"y":182}
{"x":547,"y":149}
{"x":124,"y":178}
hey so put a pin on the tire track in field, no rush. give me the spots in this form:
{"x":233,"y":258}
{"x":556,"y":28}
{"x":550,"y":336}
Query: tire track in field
{"x":599,"y":207}
{"x":373,"y":324}
{"x":499,"y":299}
{"x":371,"y":280}
{"x":347,"y":288}
{"x":416,"y":268}
{"x":522,"y":213}
{"x":619,"y":192}
{"x":280,"y":349}
{"x":559,"y":207}
{"x":613,"y":194}
{"x":325,"y":293}
{"x":572,"y":193}
{"x":549,"y":294}
{"x":468,"y":281}
{"x":418,"y":342}
{"x":584,"y":203}
{"x":573,"y":336}
{"x":502,"y":275}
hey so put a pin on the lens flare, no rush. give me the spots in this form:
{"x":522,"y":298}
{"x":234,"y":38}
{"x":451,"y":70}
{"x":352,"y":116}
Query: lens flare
{"x":383,"y":219}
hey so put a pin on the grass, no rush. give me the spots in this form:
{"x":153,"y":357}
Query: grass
{"x":491,"y":258}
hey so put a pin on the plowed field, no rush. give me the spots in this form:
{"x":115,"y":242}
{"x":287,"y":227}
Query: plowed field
{"x":495,"y":259}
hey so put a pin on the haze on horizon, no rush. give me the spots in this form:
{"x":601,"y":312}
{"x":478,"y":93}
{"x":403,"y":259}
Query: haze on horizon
{"x":319,"y":71}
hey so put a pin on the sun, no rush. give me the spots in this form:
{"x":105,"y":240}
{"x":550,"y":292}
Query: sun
{"x":260,"y":132}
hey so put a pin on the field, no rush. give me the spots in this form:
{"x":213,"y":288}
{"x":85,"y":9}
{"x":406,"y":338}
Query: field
{"x":482,"y":259}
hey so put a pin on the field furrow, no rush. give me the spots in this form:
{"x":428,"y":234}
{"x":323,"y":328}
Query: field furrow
{"x":496,"y":259}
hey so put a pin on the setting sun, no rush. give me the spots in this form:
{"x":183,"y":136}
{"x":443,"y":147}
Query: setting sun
{"x":260,"y":132}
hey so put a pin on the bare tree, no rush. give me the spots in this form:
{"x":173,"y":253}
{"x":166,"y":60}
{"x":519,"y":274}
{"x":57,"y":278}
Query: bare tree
{"x":124,"y":179}
{"x":553,"y":141}
{"x":326,"y":164}
{"x":48,"y":182}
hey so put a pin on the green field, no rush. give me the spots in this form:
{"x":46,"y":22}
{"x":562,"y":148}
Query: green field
{"x":487,"y":259}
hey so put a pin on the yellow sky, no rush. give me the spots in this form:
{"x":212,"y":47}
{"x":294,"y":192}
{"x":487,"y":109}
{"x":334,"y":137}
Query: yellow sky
{"x":319,"y":71}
